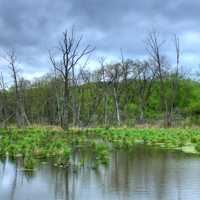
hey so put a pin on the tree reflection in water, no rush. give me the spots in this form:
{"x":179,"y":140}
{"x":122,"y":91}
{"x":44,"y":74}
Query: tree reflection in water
{"x":139,"y":174}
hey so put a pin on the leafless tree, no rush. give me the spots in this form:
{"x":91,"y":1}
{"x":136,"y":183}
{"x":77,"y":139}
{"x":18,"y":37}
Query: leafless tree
{"x":90,"y":105}
{"x":174,"y":78}
{"x":114,"y":76}
{"x":126,"y":71}
{"x":74,"y":93}
{"x":177,"y":73}
{"x":21,"y":117}
{"x":153,"y":46}
{"x":71,"y":53}
{"x":104,"y":86}
{"x":58,"y":88}
{"x":3,"y":106}
{"x":144,"y":83}
{"x":74,"y":97}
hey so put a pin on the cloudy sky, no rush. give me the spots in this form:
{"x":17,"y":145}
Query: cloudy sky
{"x":32,"y":27}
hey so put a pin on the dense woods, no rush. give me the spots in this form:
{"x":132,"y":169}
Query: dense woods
{"x":127,"y":92}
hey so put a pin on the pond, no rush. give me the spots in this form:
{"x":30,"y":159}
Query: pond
{"x":143,"y":173}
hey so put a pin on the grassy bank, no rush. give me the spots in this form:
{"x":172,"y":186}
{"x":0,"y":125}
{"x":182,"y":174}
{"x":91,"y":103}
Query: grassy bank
{"x":45,"y":143}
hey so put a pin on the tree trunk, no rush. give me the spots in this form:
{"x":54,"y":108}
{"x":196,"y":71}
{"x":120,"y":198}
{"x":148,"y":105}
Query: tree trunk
{"x":65,"y":124}
{"x":105,"y":110}
{"x":74,"y":99}
{"x":167,"y":117}
{"x":141,"y":118}
{"x":117,"y":107}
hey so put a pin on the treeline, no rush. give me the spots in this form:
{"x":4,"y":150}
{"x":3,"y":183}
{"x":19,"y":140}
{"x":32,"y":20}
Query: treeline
{"x":127,"y":92}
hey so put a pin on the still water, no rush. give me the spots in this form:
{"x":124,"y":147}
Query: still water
{"x":142,"y":174}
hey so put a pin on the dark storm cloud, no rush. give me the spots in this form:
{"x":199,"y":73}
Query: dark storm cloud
{"x":34,"y":26}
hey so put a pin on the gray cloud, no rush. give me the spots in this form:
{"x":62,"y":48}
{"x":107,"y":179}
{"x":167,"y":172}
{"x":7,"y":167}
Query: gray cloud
{"x":34,"y":26}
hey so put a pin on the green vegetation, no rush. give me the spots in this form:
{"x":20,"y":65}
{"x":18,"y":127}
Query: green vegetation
{"x":126,"y":92}
{"x":186,"y":113}
{"x":32,"y":144}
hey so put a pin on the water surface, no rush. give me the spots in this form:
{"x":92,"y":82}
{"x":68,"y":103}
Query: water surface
{"x":142,"y":174}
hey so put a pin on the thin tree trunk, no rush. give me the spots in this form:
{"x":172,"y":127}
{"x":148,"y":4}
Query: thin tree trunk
{"x":74,"y":99}
{"x":105,"y":110}
{"x":65,"y":122}
{"x":141,"y":119}
{"x":117,"y":107}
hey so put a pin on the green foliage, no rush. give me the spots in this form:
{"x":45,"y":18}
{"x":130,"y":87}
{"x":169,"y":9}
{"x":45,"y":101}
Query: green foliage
{"x":101,"y":153}
{"x":91,"y":99}
{"x":32,"y":144}
{"x":29,"y":163}
{"x":198,"y":147}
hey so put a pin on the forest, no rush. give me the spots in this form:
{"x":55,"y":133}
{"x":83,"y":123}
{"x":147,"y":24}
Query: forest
{"x":129,"y":92}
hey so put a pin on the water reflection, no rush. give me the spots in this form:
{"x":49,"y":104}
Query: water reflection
{"x":141,"y":174}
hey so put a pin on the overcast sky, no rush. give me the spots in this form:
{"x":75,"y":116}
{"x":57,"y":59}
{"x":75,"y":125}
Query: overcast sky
{"x":33,"y":27}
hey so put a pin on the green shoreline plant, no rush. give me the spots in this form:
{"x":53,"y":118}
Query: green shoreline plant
{"x":43,"y":143}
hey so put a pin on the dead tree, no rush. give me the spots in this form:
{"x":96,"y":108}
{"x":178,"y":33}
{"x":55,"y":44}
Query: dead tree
{"x":75,"y":75}
{"x":102,"y":79}
{"x":57,"y":87}
{"x":3,"y":105}
{"x":153,"y":46}
{"x":70,"y":53}
{"x":174,"y":77}
{"x":126,"y":66}
{"x":176,"y":74}
{"x":145,"y":77}
{"x":74,"y":98}
{"x":91,"y":100}
{"x":114,"y":75}
{"x":21,"y":117}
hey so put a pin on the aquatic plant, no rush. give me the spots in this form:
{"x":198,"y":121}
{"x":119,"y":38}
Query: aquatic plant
{"x":197,"y":147}
{"x":37,"y":143}
{"x":29,"y":163}
{"x":101,"y":154}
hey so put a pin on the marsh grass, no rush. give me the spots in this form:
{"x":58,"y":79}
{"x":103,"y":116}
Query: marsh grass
{"x":58,"y":145}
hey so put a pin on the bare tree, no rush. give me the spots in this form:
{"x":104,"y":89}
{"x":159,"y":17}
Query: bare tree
{"x":103,"y":85}
{"x":153,"y":46}
{"x":58,"y":88}
{"x":74,"y":97}
{"x":114,"y":76}
{"x":91,"y":100}
{"x":177,"y":72}
{"x":144,"y":83}
{"x":21,"y":117}
{"x":74,"y":93}
{"x":174,"y":79}
{"x":3,"y":106}
{"x":71,"y":54}
{"x":126,"y":66}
